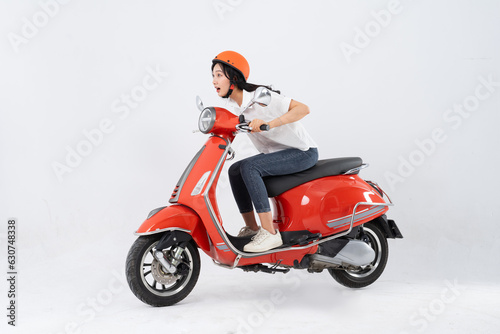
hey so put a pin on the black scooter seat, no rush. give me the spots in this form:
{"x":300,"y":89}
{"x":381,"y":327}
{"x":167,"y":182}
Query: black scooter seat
{"x":277,"y":185}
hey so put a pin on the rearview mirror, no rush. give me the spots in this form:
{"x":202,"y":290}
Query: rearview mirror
{"x":199,"y":103}
{"x":262,"y":97}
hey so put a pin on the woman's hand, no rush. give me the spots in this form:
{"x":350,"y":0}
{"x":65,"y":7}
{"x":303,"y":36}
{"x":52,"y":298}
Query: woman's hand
{"x":255,"y":125}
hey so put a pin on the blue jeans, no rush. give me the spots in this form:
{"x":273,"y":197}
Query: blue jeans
{"x":246,"y":175}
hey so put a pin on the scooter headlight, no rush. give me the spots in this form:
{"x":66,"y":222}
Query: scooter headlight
{"x":207,"y":120}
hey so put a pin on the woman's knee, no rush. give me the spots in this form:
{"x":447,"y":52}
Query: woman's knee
{"x":248,"y":167}
{"x":234,"y":169}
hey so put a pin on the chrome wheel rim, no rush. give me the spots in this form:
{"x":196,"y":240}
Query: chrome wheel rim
{"x":159,"y":282}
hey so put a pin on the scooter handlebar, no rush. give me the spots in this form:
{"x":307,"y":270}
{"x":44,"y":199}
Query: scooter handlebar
{"x":243,"y":127}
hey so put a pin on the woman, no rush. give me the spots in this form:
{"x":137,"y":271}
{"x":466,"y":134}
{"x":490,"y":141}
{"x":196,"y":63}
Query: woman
{"x":285,"y":149}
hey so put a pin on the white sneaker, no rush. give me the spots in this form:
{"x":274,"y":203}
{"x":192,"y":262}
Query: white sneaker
{"x":246,"y":232}
{"x":263,"y":241}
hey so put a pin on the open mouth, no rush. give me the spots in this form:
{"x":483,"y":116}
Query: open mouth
{"x":218,"y":89}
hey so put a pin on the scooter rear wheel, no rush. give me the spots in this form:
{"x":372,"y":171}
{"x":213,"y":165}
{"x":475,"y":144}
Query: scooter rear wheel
{"x":150,"y":283}
{"x":363,"y":277}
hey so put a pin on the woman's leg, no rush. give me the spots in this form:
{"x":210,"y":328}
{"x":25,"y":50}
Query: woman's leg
{"x":266,"y":221}
{"x":248,"y":188}
{"x":250,"y":222}
{"x":243,"y":201}
{"x":253,"y":169}
{"x":240,"y":192}
{"x":242,"y":198}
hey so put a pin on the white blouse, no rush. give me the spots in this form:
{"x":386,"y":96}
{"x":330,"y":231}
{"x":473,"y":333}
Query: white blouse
{"x":292,"y":135}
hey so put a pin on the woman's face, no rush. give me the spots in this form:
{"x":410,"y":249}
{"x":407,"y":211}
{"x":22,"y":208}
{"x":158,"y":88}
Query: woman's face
{"x":220,"y":81}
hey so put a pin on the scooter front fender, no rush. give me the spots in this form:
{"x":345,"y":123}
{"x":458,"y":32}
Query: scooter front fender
{"x":176,"y":217}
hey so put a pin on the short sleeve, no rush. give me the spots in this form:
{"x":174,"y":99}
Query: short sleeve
{"x":279,"y":103}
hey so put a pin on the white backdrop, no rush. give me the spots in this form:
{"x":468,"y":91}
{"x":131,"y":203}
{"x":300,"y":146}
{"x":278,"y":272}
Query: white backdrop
{"x":97,"y":112}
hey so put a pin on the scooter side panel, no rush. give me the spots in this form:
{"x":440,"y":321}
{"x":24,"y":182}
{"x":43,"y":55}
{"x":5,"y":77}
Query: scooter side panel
{"x":177,"y":217}
{"x":193,"y":195}
{"x":202,"y":171}
{"x":326,"y":205}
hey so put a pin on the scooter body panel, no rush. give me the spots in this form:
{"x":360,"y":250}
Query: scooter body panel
{"x":326,"y":205}
{"x":198,"y":192}
{"x":177,"y":217}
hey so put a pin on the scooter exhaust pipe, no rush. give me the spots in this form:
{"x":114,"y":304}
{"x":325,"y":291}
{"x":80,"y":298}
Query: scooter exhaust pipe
{"x":355,"y":253}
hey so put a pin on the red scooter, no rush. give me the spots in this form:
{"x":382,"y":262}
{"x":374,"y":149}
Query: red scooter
{"x":328,"y":217}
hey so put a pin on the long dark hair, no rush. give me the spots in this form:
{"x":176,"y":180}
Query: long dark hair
{"x":237,"y":78}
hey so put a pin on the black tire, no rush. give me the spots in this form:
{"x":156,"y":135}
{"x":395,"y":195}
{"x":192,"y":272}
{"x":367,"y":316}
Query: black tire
{"x":150,"y":283}
{"x":364,"y":277}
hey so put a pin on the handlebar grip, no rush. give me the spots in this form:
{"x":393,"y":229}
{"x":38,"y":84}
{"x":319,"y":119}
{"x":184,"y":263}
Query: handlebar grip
{"x":265,"y":127}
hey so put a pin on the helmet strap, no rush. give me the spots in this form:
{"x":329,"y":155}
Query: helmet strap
{"x":230,"y":91}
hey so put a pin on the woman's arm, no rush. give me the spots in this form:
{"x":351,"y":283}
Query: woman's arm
{"x":296,"y":112}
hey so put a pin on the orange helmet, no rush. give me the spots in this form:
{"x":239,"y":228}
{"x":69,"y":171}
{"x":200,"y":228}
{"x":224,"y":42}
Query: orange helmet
{"x":235,"y":60}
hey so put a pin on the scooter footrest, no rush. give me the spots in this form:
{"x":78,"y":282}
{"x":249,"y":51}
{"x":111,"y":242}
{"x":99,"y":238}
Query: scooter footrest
{"x":265,"y":269}
{"x":293,"y":238}
{"x":308,"y":239}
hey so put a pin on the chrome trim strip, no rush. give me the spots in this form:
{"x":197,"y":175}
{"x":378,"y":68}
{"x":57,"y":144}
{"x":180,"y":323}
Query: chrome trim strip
{"x":185,"y":175}
{"x":356,"y":170}
{"x":163,"y":230}
{"x":211,"y":210}
{"x":155,"y":211}
{"x":364,"y":203}
{"x":235,"y":263}
{"x":222,"y":265}
{"x":390,"y":201}
{"x":341,"y":222}
{"x":342,"y":218}
{"x":372,"y":183}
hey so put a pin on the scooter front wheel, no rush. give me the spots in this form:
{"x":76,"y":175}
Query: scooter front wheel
{"x":150,"y":282}
{"x":358,"y":278}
